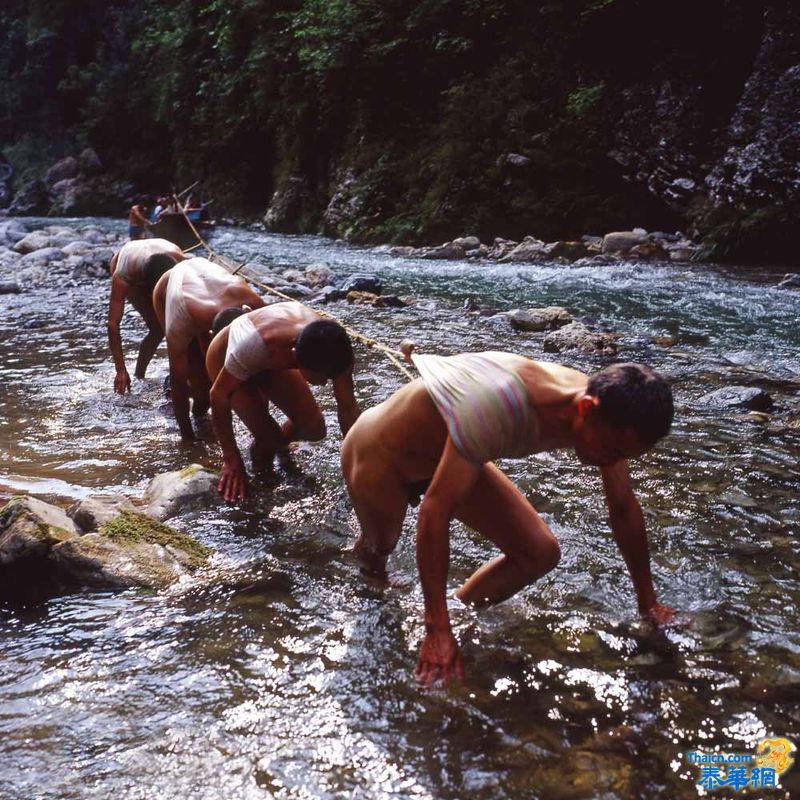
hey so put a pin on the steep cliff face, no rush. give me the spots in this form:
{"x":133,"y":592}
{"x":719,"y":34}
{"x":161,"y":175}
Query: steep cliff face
{"x":414,"y":122}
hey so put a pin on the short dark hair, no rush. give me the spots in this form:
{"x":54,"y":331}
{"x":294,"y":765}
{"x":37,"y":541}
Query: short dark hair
{"x":225,"y":317}
{"x":324,"y":346}
{"x":634,"y":396}
{"x":156,"y":266}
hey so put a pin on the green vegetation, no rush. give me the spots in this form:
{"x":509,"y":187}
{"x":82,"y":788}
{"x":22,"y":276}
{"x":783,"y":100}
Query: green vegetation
{"x":421,"y":102}
{"x":130,"y":527}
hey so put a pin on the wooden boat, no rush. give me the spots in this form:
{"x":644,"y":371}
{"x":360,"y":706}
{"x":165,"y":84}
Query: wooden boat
{"x":173,"y":227}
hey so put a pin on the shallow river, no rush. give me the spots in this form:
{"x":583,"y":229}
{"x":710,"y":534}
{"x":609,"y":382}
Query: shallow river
{"x":281,"y":672}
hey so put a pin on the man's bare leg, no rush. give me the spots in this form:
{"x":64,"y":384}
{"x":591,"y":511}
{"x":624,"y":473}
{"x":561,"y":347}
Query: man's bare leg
{"x":380,"y":500}
{"x":249,"y":404}
{"x":199,"y":381}
{"x":497,"y":510}
{"x":143,"y":303}
{"x":290,"y":392}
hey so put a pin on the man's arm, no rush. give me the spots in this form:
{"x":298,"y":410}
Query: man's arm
{"x":347,"y":409}
{"x":116,"y":306}
{"x":453,"y":480}
{"x":627,"y":525}
{"x":179,"y":387}
{"x":233,"y":477}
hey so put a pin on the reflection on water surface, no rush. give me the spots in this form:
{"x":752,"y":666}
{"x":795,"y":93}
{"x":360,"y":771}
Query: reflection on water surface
{"x":282,"y":673}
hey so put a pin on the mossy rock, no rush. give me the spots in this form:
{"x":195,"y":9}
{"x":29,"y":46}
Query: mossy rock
{"x":30,"y":528}
{"x":130,"y":527}
{"x":131,"y":550}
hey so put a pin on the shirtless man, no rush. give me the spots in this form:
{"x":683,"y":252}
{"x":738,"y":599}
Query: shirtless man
{"x":186,"y":300}
{"x":135,"y":270}
{"x":139,"y":220}
{"x":272,"y":354}
{"x":439,"y":435}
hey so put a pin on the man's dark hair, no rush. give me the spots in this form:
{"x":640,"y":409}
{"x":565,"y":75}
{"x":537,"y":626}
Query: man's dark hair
{"x":635,"y":396}
{"x":324,"y":347}
{"x":225,"y":317}
{"x":156,"y":266}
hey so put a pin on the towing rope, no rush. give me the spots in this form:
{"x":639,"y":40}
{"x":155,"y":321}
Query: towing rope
{"x":395,"y":356}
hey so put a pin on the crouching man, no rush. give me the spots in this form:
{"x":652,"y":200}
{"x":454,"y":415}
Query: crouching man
{"x":187,"y":300}
{"x":271,"y":355}
{"x":438,"y":436}
{"x":135,"y":270}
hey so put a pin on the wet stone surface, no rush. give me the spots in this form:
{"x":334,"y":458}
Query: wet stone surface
{"x":284,"y":673}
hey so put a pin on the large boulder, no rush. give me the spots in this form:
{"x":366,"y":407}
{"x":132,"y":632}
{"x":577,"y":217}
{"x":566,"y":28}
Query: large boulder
{"x":449,"y":251}
{"x":621,"y":242}
{"x":130,"y":549}
{"x":577,"y":336}
{"x":467,"y":242}
{"x":171,"y":492}
{"x":43,"y":257}
{"x":361,"y":282}
{"x":790,"y":281}
{"x":539,"y":319}
{"x":30,"y":528}
{"x":94,"y":511}
{"x":570,"y":251}
{"x":62,"y":170}
{"x":318,"y":275}
{"x":749,"y":397}
{"x":288,"y":205}
{"x":35,"y":240}
{"x":528,"y":250}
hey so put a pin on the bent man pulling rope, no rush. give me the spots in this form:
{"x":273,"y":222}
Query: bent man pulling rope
{"x":394,"y":356}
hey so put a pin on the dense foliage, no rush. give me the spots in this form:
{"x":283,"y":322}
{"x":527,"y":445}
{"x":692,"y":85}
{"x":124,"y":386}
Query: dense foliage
{"x":420,"y":103}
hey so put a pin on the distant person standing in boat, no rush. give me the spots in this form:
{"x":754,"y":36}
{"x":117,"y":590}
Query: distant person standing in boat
{"x":135,"y":270}
{"x":271,"y":355}
{"x":186,"y":300}
{"x":139,"y":220}
{"x":438,"y":437}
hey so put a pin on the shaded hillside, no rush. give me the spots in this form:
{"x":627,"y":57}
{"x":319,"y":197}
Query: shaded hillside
{"x":418,"y":121}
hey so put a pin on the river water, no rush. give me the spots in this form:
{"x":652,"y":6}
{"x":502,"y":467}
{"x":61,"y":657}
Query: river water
{"x":281,"y":672}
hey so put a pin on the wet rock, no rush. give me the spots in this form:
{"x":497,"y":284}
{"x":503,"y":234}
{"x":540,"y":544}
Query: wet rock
{"x":361,"y":282}
{"x":296,"y":291}
{"x":648,"y":251}
{"x":29,"y":528}
{"x":94,"y":511}
{"x":749,"y":397}
{"x":318,"y":275}
{"x":170,"y":492}
{"x":294,"y":276}
{"x":401,"y":251}
{"x":378,"y":301}
{"x":577,"y":336}
{"x":665,"y":341}
{"x":467,"y":243}
{"x":620,"y":242}
{"x":36,"y":240}
{"x":528,"y":250}
{"x":479,"y":252}
{"x":9,"y":287}
{"x":43,"y":257}
{"x":329,"y":294}
{"x":571,"y":251}
{"x":78,"y":248}
{"x":446,"y":252}
{"x":790,"y":281}
{"x":539,"y":319}
{"x":592,"y":241}
{"x":129,"y":550}
{"x":595,"y":261}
